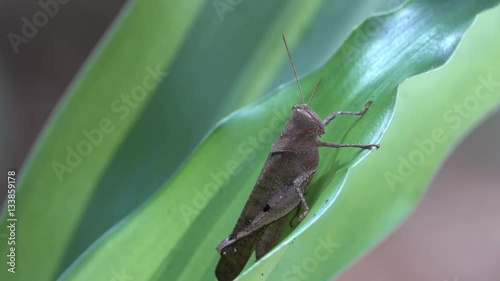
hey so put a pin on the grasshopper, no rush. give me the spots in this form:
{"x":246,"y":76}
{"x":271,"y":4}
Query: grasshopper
{"x":280,"y":188}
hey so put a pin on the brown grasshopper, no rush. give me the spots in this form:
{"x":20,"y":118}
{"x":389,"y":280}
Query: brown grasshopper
{"x":280,"y":188}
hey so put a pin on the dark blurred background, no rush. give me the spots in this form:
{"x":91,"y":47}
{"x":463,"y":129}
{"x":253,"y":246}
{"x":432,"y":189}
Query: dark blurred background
{"x":454,"y":234}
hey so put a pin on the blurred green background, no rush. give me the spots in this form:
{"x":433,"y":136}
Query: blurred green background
{"x":33,"y":80}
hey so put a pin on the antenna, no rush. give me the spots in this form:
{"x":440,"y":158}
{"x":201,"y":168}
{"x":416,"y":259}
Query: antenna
{"x":314,"y":91}
{"x":293,"y":67}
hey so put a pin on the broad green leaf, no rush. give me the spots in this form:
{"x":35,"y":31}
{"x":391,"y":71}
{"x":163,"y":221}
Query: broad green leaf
{"x":173,"y":235}
{"x":56,"y":184}
{"x":433,"y":112}
{"x":213,"y":68}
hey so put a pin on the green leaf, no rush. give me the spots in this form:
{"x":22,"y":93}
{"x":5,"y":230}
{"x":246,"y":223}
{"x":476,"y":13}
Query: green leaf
{"x":174,"y":234}
{"x":149,"y":140}
{"x":56,"y":185}
{"x":58,"y":220}
{"x":434,"y":112}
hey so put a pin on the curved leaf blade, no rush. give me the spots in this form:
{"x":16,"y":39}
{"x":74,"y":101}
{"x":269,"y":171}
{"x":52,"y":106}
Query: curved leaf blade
{"x":56,"y":184}
{"x":144,"y":36}
{"x":179,"y":245}
{"x":379,"y":193}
